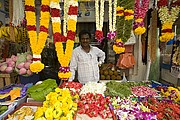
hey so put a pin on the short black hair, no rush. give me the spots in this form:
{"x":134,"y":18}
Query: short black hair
{"x":83,"y":32}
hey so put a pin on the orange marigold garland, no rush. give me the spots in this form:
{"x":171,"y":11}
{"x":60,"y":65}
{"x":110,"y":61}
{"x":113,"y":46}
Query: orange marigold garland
{"x":37,"y":41}
{"x":64,"y":56}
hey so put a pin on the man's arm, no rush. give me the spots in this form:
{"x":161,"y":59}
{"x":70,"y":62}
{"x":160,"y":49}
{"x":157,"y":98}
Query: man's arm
{"x":73,"y":66}
{"x":101,"y":56}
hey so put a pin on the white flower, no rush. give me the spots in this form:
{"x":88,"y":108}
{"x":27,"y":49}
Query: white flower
{"x":55,"y":19}
{"x":54,"y":5}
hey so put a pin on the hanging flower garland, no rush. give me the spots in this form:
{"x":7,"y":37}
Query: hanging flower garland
{"x":125,"y":15}
{"x":37,"y":41}
{"x":99,"y":13}
{"x":65,"y":18}
{"x":167,"y":17}
{"x":64,"y":56}
{"x":112,"y":20}
{"x":141,"y":7}
{"x":118,"y":46}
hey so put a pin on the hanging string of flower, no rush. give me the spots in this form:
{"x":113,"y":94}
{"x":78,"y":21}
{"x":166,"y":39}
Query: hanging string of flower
{"x":125,"y":15}
{"x":112,"y":20}
{"x":141,"y":7}
{"x":99,"y":14}
{"x":167,"y":16}
{"x":37,"y":41}
{"x":65,"y":18}
{"x":64,"y":56}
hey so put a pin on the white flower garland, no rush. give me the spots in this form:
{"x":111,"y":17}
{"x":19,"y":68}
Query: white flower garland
{"x":99,"y":14}
{"x":18,"y":12}
{"x":112,"y":16}
{"x":65,"y":18}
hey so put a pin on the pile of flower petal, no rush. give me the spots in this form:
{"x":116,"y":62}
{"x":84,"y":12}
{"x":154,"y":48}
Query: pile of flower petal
{"x":58,"y":105}
{"x":93,"y":87}
{"x":126,"y":109}
{"x":165,"y":109}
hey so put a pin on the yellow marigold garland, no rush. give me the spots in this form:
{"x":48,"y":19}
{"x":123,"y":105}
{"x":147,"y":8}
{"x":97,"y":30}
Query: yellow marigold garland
{"x":64,"y":56}
{"x":167,"y":17}
{"x":118,"y":47}
{"x":37,"y":41}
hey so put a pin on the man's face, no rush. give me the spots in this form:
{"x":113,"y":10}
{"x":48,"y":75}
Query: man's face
{"x":85,"y":40}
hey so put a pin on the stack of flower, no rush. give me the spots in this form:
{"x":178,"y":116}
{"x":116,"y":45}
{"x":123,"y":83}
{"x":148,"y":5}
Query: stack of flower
{"x":99,"y":20}
{"x":167,"y":17}
{"x":126,"y":109}
{"x":64,"y":56}
{"x":75,"y":87}
{"x":58,"y":105}
{"x":171,"y":93}
{"x":165,"y":109}
{"x":143,"y":91}
{"x":94,"y":105}
{"x":93,"y":87}
{"x":141,"y":7}
{"x":37,"y":41}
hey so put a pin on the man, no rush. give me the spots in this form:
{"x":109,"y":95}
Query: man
{"x":85,"y":60}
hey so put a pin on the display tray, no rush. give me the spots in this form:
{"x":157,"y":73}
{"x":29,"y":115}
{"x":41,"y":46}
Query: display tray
{"x":31,"y":105}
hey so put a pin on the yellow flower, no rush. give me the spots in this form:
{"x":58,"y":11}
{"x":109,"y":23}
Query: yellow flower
{"x":139,"y":30}
{"x":45,"y":2}
{"x":29,"y":2}
{"x":167,"y":25}
{"x":39,"y":113}
{"x":118,"y":50}
{"x":76,"y":96}
{"x":57,"y":113}
{"x":64,"y":76}
{"x":71,"y":25}
{"x":41,"y":118}
{"x":139,"y":20}
{"x":49,"y":113}
{"x":56,"y":1}
{"x":165,"y":37}
{"x":56,"y":27}
{"x":129,"y":17}
{"x":63,"y":118}
{"x":45,"y":15}
{"x":36,"y":67}
{"x":120,"y":11}
{"x":58,"y":90}
{"x":31,"y":18}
